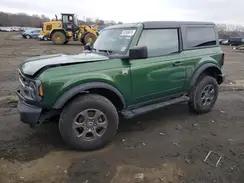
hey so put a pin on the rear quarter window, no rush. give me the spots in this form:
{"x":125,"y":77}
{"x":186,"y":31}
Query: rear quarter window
{"x":197,"y":37}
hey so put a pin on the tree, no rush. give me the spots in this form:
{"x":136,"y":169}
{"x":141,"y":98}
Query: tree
{"x":21,"y":19}
{"x":227,"y":31}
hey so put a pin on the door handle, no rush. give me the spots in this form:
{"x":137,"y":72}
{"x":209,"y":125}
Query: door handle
{"x":177,"y":63}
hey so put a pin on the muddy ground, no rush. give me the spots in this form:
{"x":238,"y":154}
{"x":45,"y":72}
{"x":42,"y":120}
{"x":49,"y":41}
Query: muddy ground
{"x":167,"y":145}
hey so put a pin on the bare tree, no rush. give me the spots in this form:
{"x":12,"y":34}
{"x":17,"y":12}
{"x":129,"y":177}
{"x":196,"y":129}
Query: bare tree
{"x":228,"y":31}
{"x":21,"y":19}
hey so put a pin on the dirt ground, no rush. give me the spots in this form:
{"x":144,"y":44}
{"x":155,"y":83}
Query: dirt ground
{"x":167,"y":145}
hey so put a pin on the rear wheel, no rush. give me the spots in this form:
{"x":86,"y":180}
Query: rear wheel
{"x":203,"y":95}
{"x":27,"y":36}
{"x":58,"y":38}
{"x":88,"y":122}
{"x":89,"y":38}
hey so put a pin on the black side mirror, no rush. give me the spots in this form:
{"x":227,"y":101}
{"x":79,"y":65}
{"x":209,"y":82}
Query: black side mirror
{"x":138,"y":52}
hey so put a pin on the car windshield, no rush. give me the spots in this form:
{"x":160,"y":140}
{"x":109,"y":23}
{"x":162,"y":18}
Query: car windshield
{"x":114,"y":40}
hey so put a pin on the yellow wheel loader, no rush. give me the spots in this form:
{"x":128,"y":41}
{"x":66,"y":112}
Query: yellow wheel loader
{"x":62,"y":31}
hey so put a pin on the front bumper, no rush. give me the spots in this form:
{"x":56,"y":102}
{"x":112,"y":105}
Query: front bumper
{"x":29,"y":113}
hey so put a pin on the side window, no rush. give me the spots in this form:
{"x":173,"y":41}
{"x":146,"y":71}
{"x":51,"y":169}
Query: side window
{"x":65,"y":19}
{"x":160,"y":41}
{"x":199,"y":37}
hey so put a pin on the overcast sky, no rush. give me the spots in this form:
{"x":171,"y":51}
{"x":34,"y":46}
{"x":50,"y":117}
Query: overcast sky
{"x":219,"y":11}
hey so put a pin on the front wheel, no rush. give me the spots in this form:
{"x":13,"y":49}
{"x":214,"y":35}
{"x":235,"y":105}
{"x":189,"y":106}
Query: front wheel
{"x":203,"y":95}
{"x":58,"y":38}
{"x":88,"y":122}
{"x":89,"y":38}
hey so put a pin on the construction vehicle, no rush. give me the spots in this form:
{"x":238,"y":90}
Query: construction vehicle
{"x":66,"y":29}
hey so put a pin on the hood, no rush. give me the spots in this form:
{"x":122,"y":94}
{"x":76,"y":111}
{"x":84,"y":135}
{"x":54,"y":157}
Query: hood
{"x":35,"y":64}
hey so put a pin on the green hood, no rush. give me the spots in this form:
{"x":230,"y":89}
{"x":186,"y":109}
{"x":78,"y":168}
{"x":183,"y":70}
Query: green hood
{"x":36,"y":64}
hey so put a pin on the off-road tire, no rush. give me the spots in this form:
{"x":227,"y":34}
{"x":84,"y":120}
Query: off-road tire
{"x":58,"y":38}
{"x":198,"y":96}
{"x":89,"y":38}
{"x":78,"y":106}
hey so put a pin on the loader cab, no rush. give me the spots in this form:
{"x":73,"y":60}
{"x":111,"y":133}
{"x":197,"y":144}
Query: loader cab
{"x":70,"y":22}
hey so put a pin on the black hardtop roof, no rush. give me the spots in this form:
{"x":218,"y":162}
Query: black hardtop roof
{"x":160,"y":24}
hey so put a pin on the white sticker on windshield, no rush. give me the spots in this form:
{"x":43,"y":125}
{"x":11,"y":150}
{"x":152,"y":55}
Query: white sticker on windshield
{"x":128,"y":32}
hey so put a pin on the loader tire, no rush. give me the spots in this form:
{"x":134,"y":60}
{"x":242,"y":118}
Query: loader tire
{"x":89,"y":38}
{"x":58,"y":38}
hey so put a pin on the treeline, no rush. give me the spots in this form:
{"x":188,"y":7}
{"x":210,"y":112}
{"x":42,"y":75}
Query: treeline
{"x":227,"y":31}
{"x":24,"y":20}
{"x":21,"y":19}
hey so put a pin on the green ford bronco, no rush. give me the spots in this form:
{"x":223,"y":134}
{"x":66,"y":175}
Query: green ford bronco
{"x":131,"y":69}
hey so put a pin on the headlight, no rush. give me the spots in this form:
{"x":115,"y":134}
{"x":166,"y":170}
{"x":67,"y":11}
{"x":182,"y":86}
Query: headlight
{"x":36,"y":90}
{"x":31,"y":89}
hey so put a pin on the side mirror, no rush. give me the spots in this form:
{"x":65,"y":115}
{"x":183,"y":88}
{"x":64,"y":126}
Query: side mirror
{"x":138,"y":52}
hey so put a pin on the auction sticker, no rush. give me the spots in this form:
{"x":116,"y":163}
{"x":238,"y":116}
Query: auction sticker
{"x":128,"y":33}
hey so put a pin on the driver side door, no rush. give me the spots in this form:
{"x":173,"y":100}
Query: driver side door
{"x":161,"y":74}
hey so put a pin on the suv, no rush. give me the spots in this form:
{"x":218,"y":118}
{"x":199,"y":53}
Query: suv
{"x":131,"y":69}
